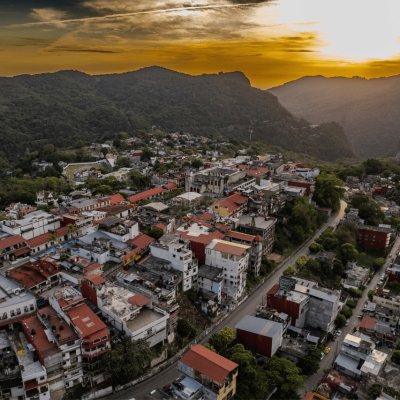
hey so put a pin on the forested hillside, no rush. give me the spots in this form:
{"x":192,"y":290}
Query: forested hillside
{"x":368,"y":110}
{"x":66,"y":106}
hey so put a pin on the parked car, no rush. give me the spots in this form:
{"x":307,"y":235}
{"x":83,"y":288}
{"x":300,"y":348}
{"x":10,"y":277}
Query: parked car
{"x":322,"y":356}
{"x":360,"y":317}
{"x":327,"y":350}
{"x":347,"y":322}
{"x":338,"y":332}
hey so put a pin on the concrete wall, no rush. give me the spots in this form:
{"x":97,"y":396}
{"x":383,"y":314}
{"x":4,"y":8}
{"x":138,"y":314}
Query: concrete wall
{"x":321,"y":313}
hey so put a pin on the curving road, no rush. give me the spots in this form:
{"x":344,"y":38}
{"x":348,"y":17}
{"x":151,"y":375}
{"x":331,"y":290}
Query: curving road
{"x":140,"y":390}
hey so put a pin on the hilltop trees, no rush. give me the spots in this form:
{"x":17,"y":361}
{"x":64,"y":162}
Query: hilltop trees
{"x":328,"y":191}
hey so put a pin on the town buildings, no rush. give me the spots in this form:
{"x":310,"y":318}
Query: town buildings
{"x":216,"y":375}
{"x":260,"y":335}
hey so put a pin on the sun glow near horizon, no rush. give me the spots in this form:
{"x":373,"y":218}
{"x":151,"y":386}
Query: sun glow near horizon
{"x":270,"y":41}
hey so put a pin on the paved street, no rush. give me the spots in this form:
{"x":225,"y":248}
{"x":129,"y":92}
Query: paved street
{"x":354,"y":322}
{"x":247,"y":308}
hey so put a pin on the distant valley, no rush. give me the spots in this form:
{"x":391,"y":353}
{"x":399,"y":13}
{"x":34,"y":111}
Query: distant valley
{"x":368,"y":110}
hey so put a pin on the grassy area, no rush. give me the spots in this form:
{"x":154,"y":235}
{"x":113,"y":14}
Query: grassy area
{"x":71,"y":169}
{"x":366,"y":260}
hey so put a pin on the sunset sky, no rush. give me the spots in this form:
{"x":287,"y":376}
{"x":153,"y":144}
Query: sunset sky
{"x":272,"y":42}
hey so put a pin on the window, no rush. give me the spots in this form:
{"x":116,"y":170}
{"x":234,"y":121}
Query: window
{"x":12,"y":313}
{"x":72,"y":353}
{"x":104,"y":338}
{"x":25,"y":309}
{"x":71,"y":343}
{"x":31,"y":307}
{"x":18,"y":311}
{"x":173,"y":255}
{"x":5,"y":315}
{"x":149,"y":331}
{"x":96,"y":341}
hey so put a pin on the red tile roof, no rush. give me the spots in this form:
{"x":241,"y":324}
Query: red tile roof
{"x":145,"y":195}
{"x":368,"y":323}
{"x":240,"y":236}
{"x":257,"y":172}
{"x":141,"y":241}
{"x":85,"y":321}
{"x":11,"y":241}
{"x":232,"y":202}
{"x":33,"y":273}
{"x":42,"y":239}
{"x":203,"y":238}
{"x":274,"y":290}
{"x":131,"y":253}
{"x":160,"y":225}
{"x":40,"y":341}
{"x":92,"y":267}
{"x":139,"y":300}
{"x":207,"y":217}
{"x":169,"y":186}
{"x":222,"y":226}
{"x":227,"y":247}
{"x":95,"y":279}
{"x":208,"y":363}
{"x":21,"y":251}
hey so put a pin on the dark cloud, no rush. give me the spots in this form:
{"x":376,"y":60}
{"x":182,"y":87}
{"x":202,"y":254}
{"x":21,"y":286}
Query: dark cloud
{"x":56,"y":49}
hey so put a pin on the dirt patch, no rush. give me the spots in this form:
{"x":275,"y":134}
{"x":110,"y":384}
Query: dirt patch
{"x":188,"y":311}
{"x":275,"y":257}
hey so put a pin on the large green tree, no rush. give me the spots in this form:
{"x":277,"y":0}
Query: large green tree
{"x":328,"y":191}
{"x":126,"y":361}
{"x":286,"y":376}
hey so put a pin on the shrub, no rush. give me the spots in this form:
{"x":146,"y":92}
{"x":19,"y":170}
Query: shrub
{"x":290,"y":271}
{"x":315,"y":248}
{"x":351,"y":304}
{"x":354,"y":293}
{"x":347,"y":312}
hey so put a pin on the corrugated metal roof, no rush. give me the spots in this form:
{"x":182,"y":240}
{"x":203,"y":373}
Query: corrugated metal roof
{"x":259,"y":326}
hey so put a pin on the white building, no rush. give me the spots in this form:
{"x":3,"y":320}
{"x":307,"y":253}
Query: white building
{"x":34,"y":376}
{"x":358,"y":357}
{"x":132,"y":313}
{"x":16,"y":302}
{"x":177,"y":252}
{"x":233,"y":259}
{"x":32,"y":225}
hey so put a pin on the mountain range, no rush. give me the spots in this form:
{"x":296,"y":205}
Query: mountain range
{"x":63,"y":107}
{"x":368,"y":110}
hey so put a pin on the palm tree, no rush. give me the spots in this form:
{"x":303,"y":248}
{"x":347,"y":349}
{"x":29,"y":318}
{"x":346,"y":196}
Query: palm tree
{"x":72,"y":229}
{"x":53,"y":237}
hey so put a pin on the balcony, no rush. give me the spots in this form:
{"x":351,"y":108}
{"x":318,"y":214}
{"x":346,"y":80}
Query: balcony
{"x":92,"y":352}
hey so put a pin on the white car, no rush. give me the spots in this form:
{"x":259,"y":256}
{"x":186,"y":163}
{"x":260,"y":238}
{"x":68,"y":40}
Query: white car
{"x":347,"y":322}
{"x":338,"y":332}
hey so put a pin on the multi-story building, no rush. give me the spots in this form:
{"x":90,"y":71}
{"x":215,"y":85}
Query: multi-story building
{"x":383,"y":298}
{"x":233,"y":259}
{"x":213,"y":180}
{"x":178,"y":253}
{"x":35,"y":383}
{"x":308,"y":306}
{"x":38,"y":276}
{"x":83,"y":204}
{"x":126,"y":311}
{"x":93,"y":333}
{"x":232,"y":206}
{"x":57,"y":347}
{"x":374,"y":237}
{"x":265,"y":227}
{"x":394,"y":270}
{"x":13,"y":248}
{"x":10,"y":373}
{"x":255,"y":251}
{"x":358,"y":357}
{"x":16,"y":302}
{"x":32,"y":225}
{"x":216,"y":375}
{"x":18,"y":210}
{"x":260,"y":335}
